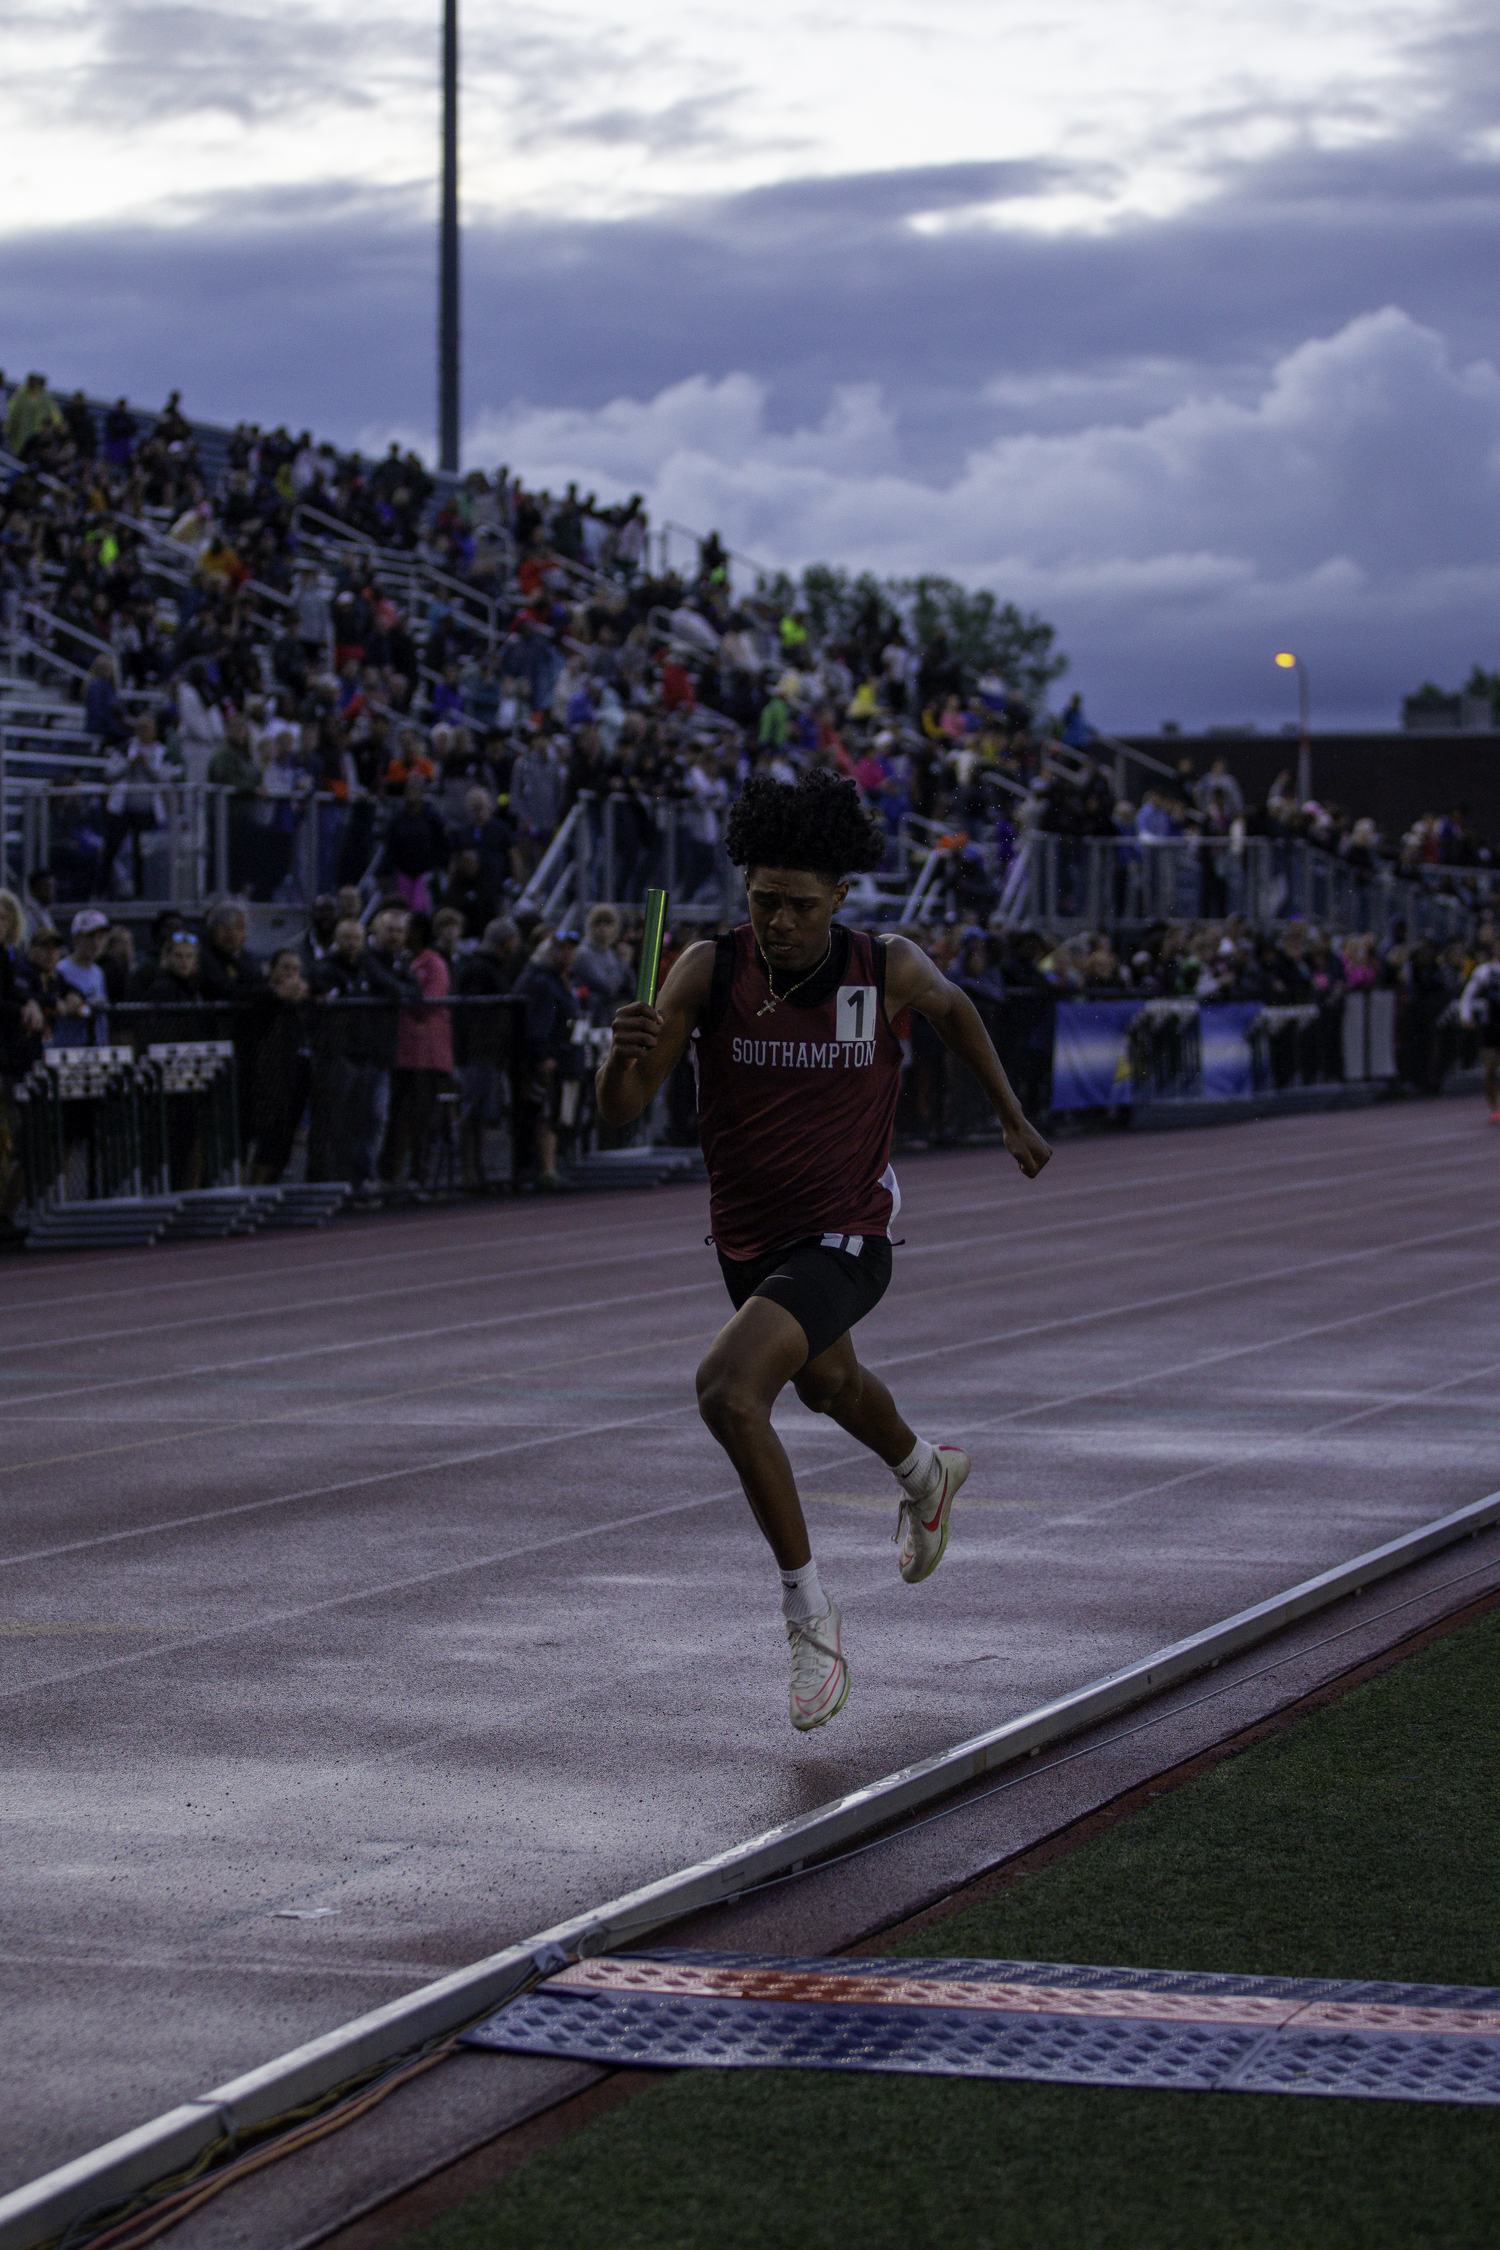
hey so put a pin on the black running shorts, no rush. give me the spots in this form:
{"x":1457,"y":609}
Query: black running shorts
{"x":826,"y":1289}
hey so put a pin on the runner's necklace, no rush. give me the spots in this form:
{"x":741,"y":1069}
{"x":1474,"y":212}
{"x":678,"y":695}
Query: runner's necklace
{"x":771,"y":1005}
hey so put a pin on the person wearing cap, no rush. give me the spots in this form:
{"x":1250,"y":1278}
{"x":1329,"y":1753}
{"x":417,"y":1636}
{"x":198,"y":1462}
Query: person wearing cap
{"x":83,"y":1005}
{"x":553,"y":1059}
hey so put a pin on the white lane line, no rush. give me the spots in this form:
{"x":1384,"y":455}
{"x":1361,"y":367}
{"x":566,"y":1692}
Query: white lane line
{"x":1001,"y":1246}
{"x":513,"y":1378}
{"x":506,"y":1231}
{"x":435,"y":1229}
{"x":409,"y":1469}
{"x":1216,"y":1358}
{"x":505,"y":1557}
{"x":1263,"y":1449}
{"x":947,"y":1350}
{"x":497,"y":1278}
{"x":968,"y":1343}
{"x":508,"y":1219}
{"x":423,"y":1468}
{"x":362,"y":1343}
{"x":357,"y":1595}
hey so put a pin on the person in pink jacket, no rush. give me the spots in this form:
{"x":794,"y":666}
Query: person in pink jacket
{"x":424,"y":1058}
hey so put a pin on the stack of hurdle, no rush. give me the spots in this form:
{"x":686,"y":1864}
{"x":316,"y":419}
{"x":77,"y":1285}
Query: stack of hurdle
{"x":118,"y":1149}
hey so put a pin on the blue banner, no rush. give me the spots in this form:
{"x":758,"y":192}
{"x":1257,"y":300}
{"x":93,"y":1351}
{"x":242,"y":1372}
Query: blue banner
{"x":1091,"y":1053}
{"x":1224,"y":1034}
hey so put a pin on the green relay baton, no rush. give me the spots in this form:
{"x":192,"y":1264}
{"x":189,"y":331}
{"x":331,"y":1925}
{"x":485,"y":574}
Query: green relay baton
{"x":651,"y":937}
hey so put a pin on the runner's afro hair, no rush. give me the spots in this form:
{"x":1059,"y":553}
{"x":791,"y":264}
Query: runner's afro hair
{"x":819,"y":824}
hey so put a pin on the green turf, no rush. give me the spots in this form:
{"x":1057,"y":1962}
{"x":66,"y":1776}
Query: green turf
{"x":1365,"y":1842}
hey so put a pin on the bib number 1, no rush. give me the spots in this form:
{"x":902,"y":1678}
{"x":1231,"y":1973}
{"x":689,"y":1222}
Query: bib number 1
{"x":856,"y":1013}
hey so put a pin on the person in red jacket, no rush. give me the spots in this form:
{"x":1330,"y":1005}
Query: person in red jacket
{"x":790,"y":1020}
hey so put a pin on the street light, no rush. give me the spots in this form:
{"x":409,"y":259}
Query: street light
{"x":1290,"y":663}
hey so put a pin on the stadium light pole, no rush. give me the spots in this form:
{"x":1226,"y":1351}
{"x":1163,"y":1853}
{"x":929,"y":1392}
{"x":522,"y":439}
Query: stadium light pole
{"x":448,"y":251}
{"x":1290,"y":663}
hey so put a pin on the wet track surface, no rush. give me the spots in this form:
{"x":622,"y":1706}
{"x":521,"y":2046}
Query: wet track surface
{"x":389,"y":1570}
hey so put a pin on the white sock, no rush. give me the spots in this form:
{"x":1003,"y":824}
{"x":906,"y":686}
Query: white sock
{"x":915,"y":1473}
{"x":801,"y":1595}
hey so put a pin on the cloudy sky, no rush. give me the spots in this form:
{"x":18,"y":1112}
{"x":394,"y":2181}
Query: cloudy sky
{"x":1176,"y":322}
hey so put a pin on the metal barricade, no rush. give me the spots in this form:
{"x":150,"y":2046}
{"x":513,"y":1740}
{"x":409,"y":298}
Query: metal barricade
{"x":1166,"y":1051}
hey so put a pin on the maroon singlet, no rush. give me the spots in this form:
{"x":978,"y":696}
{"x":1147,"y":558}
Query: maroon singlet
{"x":796,"y":1108}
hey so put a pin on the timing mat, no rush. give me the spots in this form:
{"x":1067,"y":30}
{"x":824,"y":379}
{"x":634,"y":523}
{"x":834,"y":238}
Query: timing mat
{"x":1063,"y":2025}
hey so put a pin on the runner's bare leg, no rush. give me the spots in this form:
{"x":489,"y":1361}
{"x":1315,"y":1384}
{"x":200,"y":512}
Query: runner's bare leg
{"x":747,"y":1367}
{"x":836,"y":1385}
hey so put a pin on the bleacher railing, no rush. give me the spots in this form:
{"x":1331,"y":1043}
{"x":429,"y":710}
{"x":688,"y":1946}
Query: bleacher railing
{"x":1070,"y":884}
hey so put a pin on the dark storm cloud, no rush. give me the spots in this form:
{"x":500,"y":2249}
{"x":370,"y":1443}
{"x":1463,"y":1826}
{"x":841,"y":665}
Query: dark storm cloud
{"x":1188,"y":440}
{"x":319,"y":303}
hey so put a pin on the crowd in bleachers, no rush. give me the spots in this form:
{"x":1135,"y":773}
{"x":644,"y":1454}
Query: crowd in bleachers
{"x":225,"y":630}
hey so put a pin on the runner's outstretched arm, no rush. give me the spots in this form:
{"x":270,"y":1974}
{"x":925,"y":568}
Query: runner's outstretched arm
{"x":649,"y":1042}
{"x":912,"y":981}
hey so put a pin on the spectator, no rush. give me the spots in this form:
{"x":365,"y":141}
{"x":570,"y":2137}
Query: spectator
{"x":134,"y":805}
{"x":355,"y":1048}
{"x":708,"y":795}
{"x":317,"y":939}
{"x":282,"y":1069}
{"x":1218,"y":796}
{"x":1154,"y":819}
{"x":235,"y":767}
{"x":23,"y":1023}
{"x":101,"y":703}
{"x":228,"y":971}
{"x":117,"y":960}
{"x":39,"y":982}
{"x":1479,"y":1010}
{"x":553,"y":1059}
{"x":21,"y":1018}
{"x":201,"y":722}
{"x":468,"y":896}
{"x":31,"y":414}
{"x":120,"y":430}
{"x":482,"y":1039}
{"x":41,"y":895}
{"x":230,"y":976}
{"x":424,"y":1059}
{"x":340,"y":1124}
{"x":416,"y":845}
{"x":536,"y":800}
{"x":175,"y":984}
{"x":387,"y":979}
{"x":599,"y":975}
{"x":314,"y":619}
{"x":83,"y":1004}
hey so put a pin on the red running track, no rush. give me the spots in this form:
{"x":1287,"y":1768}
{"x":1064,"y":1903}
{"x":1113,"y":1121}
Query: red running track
{"x":389,"y":1570}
